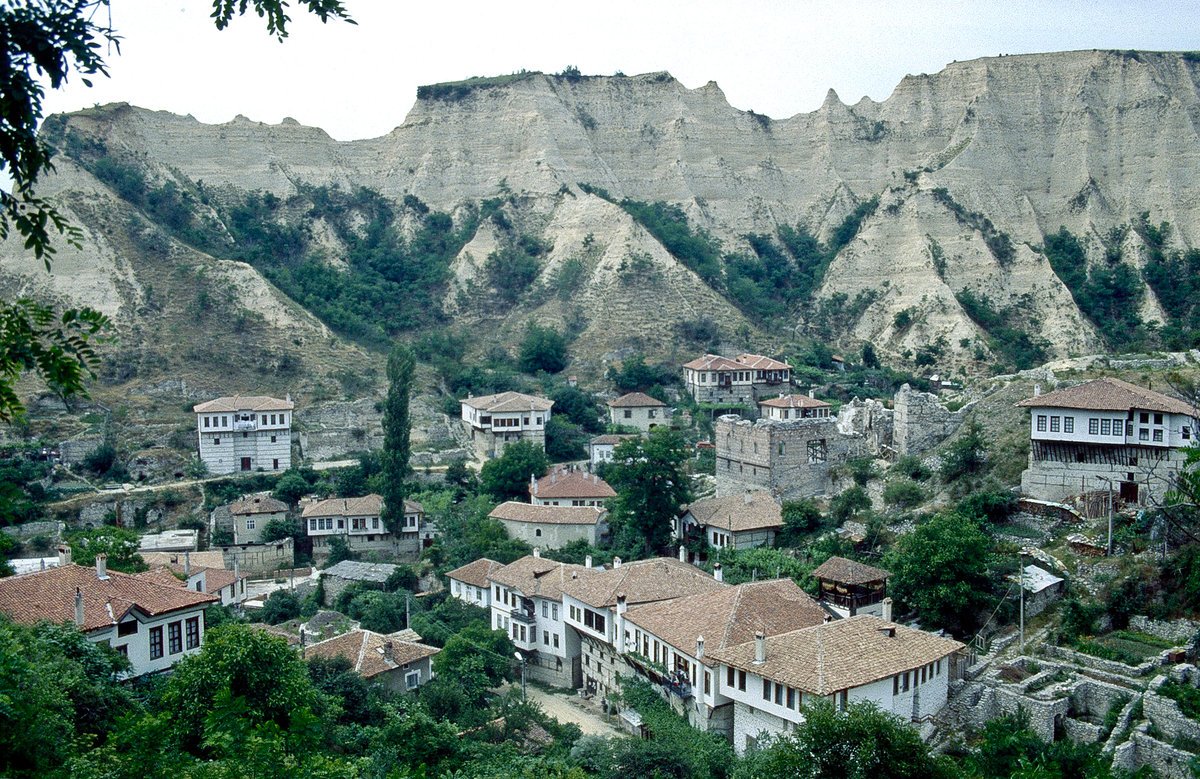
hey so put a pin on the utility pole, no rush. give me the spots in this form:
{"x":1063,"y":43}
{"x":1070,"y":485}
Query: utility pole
{"x":407,"y":624}
{"x":1021,"y":587}
{"x":521,"y":657}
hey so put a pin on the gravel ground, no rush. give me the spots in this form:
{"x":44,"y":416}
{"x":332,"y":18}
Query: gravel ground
{"x":566,"y":709}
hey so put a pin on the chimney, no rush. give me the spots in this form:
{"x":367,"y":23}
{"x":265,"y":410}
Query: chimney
{"x":64,"y":555}
{"x":812,"y":392}
{"x":746,"y":498}
{"x":101,"y":566}
{"x":760,"y":648}
{"x":187,"y":564}
{"x":718,"y":574}
{"x":887,"y":609}
{"x":699,"y":647}
{"x":533,"y":484}
{"x":682,"y":553}
{"x":619,"y":624}
{"x":387,"y":650}
{"x":236,"y":574}
{"x":537,"y":552}
{"x":78,"y":606}
{"x":616,"y":562}
{"x":828,"y":617}
{"x":587,"y":561}
{"x":1037,"y":390}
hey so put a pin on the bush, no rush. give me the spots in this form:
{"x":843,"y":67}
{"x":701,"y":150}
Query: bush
{"x":903,"y":494}
{"x":542,"y":349}
{"x":913,"y":468}
{"x":280,"y":606}
{"x":846,"y":506}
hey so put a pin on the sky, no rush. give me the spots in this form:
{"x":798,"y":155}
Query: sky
{"x":776,"y":57}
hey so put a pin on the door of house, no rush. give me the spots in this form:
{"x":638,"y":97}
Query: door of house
{"x":245,"y":463}
{"x":1129,"y":491}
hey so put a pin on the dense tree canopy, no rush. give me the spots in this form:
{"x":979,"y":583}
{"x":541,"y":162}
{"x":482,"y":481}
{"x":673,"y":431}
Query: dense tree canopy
{"x":652,"y":487}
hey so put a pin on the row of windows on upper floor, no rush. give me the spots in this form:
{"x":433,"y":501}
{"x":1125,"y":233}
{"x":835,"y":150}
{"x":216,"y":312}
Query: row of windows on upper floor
{"x":222,"y":420}
{"x":1117,"y":428}
{"x":177,"y":633}
{"x":512,"y":600}
{"x":217,"y":440}
{"x":742,"y":376}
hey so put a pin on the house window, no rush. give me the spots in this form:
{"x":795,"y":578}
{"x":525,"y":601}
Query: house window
{"x":264,"y":419}
{"x":175,"y":638}
{"x":1143,"y":434}
{"x":156,"y":643}
{"x":537,"y":532}
{"x":1117,"y":429}
{"x":272,"y":439}
{"x":742,"y":681}
{"x":554,"y":611}
{"x":818,"y":452}
{"x":545,"y":609}
{"x":1055,"y":423}
{"x":545,"y":638}
{"x":375,"y":523}
{"x":412,"y":680}
{"x":249,"y":524}
{"x":1093,"y":426}
{"x":781,"y":449}
{"x":791,"y":698}
{"x":216,"y":442}
{"x":206,"y":421}
{"x":896,"y":684}
{"x":1158,"y":435}
{"x":341,"y":523}
{"x":1105,"y":427}
{"x":556,"y":641}
{"x":629,"y":413}
{"x":650,"y":413}
{"x":1158,"y":419}
{"x":1041,"y":423}
{"x":707,"y":683}
{"x":778,"y":695}
{"x":1186,"y":432}
{"x":766,"y":690}
{"x":1144,"y":418}
{"x":1068,"y":424}
{"x":224,"y":421}
{"x":539,"y":420}
{"x":729,"y":677}
{"x":192,"y":631}
{"x":904,"y":683}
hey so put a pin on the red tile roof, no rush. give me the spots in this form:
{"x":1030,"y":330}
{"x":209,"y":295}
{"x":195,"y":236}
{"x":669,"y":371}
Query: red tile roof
{"x":50,"y":595}
{"x":535,"y":576}
{"x":366,"y":506}
{"x":476,"y":573}
{"x":571,"y":483}
{"x":244,"y":403}
{"x":794,"y":401}
{"x":839,"y":569}
{"x":635,"y":400}
{"x":755,"y":510}
{"x":508,"y":402}
{"x":1109,"y":394}
{"x":258,"y":504}
{"x":548,"y":515}
{"x":642,"y":581}
{"x":715,"y":362}
{"x":368,"y":652}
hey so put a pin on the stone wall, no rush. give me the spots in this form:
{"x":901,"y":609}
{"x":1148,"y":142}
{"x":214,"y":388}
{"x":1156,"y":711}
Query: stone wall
{"x":259,"y":559}
{"x":750,"y":726}
{"x":1165,"y":714}
{"x":921,"y":422}
{"x":30,"y":530}
{"x":1056,"y":480}
{"x":871,"y":420}
{"x":788,"y":459}
{"x":1181,"y":631}
{"x":1167,"y":761}
{"x":1099,"y":664}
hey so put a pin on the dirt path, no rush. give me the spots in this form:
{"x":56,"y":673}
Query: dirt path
{"x":566,"y":709}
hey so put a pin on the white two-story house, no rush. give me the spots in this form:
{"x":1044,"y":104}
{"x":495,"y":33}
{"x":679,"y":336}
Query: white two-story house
{"x":1106,"y":434}
{"x":358,"y":522}
{"x":469,"y":583}
{"x":245,"y":433}
{"x":568,"y":486}
{"x":494,"y":421}
{"x":527,"y":605}
{"x":772,"y":679}
{"x":638,"y":410}
{"x":742,"y":380}
{"x":153,"y":624}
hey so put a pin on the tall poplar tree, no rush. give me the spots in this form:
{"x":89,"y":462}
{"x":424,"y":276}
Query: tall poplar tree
{"x":400,"y":369}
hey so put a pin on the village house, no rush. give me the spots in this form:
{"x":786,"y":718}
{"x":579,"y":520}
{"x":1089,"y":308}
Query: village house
{"x":388,"y":660}
{"x":602,"y":447}
{"x":1106,"y":434}
{"x":494,"y":421}
{"x":743,"y":521}
{"x":469,"y":583}
{"x":527,"y":597}
{"x":337,"y":578}
{"x":229,"y":586}
{"x":153,"y":623}
{"x":742,"y":380}
{"x":772,"y":679}
{"x":252,"y":513}
{"x":551,"y":526}
{"x":680,"y":635}
{"x":357,"y":521}
{"x":790,"y":407}
{"x":1041,"y":587}
{"x":789,"y":458}
{"x":595,"y":608}
{"x":847,"y":588}
{"x":568,"y":486}
{"x":638,"y":410}
{"x":245,"y":433}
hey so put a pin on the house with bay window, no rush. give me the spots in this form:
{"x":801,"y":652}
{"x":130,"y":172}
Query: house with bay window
{"x":245,"y":433}
{"x":527,"y":604}
{"x":357,"y":521}
{"x":741,"y":380}
{"x":495,"y":421}
{"x":773,"y":679}
{"x":153,"y":622}
{"x":1106,"y":434}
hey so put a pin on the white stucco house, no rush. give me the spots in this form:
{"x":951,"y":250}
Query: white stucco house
{"x":771,"y":679}
{"x":469,"y":583}
{"x":494,"y":421}
{"x":602,"y":447}
{"x":738,"y":521}
{"x":741,"y":380}
{"x":245,"y":433}
{"x":154,"y":623}
{"x":1106,"y":434}
{"x":358,"y":521}
{"x":552,"y":527}
{"x":568,"y":486}
{"x":638,"y":410}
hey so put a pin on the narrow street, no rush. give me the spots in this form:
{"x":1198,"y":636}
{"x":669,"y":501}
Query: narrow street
{"x":565,"y":709}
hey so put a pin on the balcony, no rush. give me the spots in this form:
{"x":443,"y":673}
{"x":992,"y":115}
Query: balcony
{"x":520,"y":615}
{"x":242,"y":425}
{"x":677,"y":684}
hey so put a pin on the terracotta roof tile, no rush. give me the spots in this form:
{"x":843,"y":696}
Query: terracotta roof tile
{"x":839,"y":655}
{"x":548,"y":515}
{"x":642,"y":581}
{"x":534,"y":576}
{"x":839,"y":569}
{"x":728,"y":616}
{"x":794,"y":401}
{"x":367,"y":651}
{"x":476,"y":573}
{"x":571,"y":483}
{"x":636,"y":400}
{"x":243,"y":403}
{"x":736,"y":513}
{"x":258,"y":504}
{"x":612,"y":438}
{"x":508,"y":402}
{"x":715,"y":362}
{"x":50,"y":595}
{"x":1109,"y":394}
{"x":368,"y":506}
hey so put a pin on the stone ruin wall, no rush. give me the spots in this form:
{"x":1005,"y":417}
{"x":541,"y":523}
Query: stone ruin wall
{"x":921,"y":421}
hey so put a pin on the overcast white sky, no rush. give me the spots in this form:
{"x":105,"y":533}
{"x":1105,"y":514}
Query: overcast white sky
{"x":777,"y":57}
